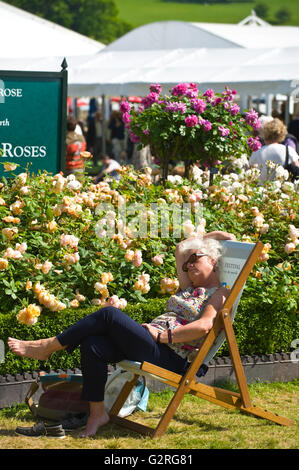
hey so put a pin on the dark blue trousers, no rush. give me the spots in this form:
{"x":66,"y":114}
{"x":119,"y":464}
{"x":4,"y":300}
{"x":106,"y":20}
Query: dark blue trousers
{"x":109,"y":336}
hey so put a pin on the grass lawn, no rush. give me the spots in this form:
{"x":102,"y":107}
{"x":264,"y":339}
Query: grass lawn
{"x":196,"y":425}
{"x":139,"y":12}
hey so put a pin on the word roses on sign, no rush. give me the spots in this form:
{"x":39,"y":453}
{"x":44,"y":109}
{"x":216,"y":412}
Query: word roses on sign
{"x":26,"y":151}
{"x":156,"y":220}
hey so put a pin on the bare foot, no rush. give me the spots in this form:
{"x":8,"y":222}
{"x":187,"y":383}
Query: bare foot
{"x":93,"y":424}
{"x":40,"y":349}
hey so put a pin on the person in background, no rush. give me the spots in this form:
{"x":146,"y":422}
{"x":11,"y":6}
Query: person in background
{"x":290,"y":139}
{"x":110,"y":167}
{"x":117,"y":134}
{"x":274,"y":133}
{"x":75,"y":144}
{"x":293,"y":127}
{"x":260,"y":132}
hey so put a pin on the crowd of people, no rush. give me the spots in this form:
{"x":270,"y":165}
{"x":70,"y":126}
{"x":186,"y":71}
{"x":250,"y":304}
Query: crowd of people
{"x":118,"y":149}
{"x":279,"y":145}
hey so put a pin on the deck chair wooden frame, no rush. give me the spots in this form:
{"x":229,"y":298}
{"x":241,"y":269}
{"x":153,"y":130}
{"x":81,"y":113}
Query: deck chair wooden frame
{"x":186,"y":384}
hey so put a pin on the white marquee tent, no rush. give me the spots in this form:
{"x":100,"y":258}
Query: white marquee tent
{"x":26,"y":35}
{"x":180,"y":34}
{"x":250,"y":71}
{"x":255,"y":71}
{"x":253,"y":59}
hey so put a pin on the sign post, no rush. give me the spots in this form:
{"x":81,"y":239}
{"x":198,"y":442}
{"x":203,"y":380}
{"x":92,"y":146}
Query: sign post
{"x":33,"y":109}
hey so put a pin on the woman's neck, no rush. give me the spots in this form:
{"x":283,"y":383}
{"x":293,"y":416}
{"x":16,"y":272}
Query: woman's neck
{"x":209,"y":283}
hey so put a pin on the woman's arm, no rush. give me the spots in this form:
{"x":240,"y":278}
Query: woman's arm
{"x":180,"y":258}
{"x":196,"y":329}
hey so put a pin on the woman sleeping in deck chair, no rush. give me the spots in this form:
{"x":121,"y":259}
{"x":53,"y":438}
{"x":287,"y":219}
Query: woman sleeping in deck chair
{"x":169,"y":341}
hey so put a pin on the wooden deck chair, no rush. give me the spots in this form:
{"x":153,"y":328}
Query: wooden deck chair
{"x":237,"y":263}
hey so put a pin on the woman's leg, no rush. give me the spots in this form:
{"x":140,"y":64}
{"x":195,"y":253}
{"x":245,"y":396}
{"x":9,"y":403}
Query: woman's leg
{"x":107,"y":335}
{"x":71,"y":338}
{"x":96,"y":353}
{"x":130,"y":338}
{"x":40,"y":349}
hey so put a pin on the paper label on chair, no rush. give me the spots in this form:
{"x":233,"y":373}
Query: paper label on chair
{"x":230,"y":270}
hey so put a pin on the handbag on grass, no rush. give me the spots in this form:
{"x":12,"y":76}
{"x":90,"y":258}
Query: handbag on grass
{"x":61,"y":395}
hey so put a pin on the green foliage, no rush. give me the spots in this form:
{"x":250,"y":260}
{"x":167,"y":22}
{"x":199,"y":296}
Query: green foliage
{"x":210,"y":2}
{"x":282,"y":16}
{"x":97,"y":19}
{"x":140,"y":13}
{"x":189,"y":125}
{"x":262,"y":10}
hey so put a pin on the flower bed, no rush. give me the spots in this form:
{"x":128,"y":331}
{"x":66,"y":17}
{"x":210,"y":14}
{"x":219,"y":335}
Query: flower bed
{"x":66,"y":245}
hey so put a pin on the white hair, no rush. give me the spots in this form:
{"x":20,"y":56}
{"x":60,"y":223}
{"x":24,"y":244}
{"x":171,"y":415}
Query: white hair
{"x":208,"y":246}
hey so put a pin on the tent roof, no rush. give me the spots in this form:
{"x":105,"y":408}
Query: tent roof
{"x":253,"y":36}
{"x":27,"y":35}
{"x":250,"y":71}
{"x":180,"y":34}
{"x":131,"y":72}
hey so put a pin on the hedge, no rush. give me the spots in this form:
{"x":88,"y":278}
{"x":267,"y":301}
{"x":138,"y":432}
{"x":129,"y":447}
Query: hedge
{"x":261,"y":328}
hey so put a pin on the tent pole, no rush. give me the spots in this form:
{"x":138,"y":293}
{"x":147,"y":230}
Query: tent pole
{"x":244,"y":102}
{"x":269,"y":104}
{"x":103,"y":124}
{"x":287,"y":111}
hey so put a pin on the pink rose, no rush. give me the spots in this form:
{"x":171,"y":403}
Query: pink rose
{"x":137,"y":258}
{"x":157,"y":260}
{"x":113,"y":301}
{"x":234,"y":109}
{"x":206,"y":125}
{"x":191,"y":121}
{"x":180,"y":89}
{"x":289,"y":248}
{"x":126,"y":118}
{"x":156,"y":88}
{"x":198,"y":105}
{"x":254,"y":143}
{"x":124,"y":107}
{"x":224,"y":131}
{"x":209,"y":93}
{"x":134,"y":138}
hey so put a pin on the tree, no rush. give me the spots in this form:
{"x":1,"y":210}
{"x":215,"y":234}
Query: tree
{"x":261,"y":9}
{"x":97,"y":19}
{"x":283,"y":15}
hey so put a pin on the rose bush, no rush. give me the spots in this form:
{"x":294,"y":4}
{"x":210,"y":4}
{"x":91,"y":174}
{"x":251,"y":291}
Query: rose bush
{"x":189,"y":125}
{"x":65,"y":244}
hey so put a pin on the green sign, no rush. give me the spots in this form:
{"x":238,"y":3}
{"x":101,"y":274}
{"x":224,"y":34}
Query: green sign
{"x":33,"y":120}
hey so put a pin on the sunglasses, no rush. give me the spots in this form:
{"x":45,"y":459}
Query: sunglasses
{"x":193,"y":258}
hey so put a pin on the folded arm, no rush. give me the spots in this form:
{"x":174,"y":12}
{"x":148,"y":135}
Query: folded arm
{"x":198,"y":328}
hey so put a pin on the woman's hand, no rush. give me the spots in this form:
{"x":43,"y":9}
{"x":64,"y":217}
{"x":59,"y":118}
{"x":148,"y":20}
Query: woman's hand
{"x":152,"y":330}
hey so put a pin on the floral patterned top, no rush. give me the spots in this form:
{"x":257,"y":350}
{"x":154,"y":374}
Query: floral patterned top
{"x":182,"y":308}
